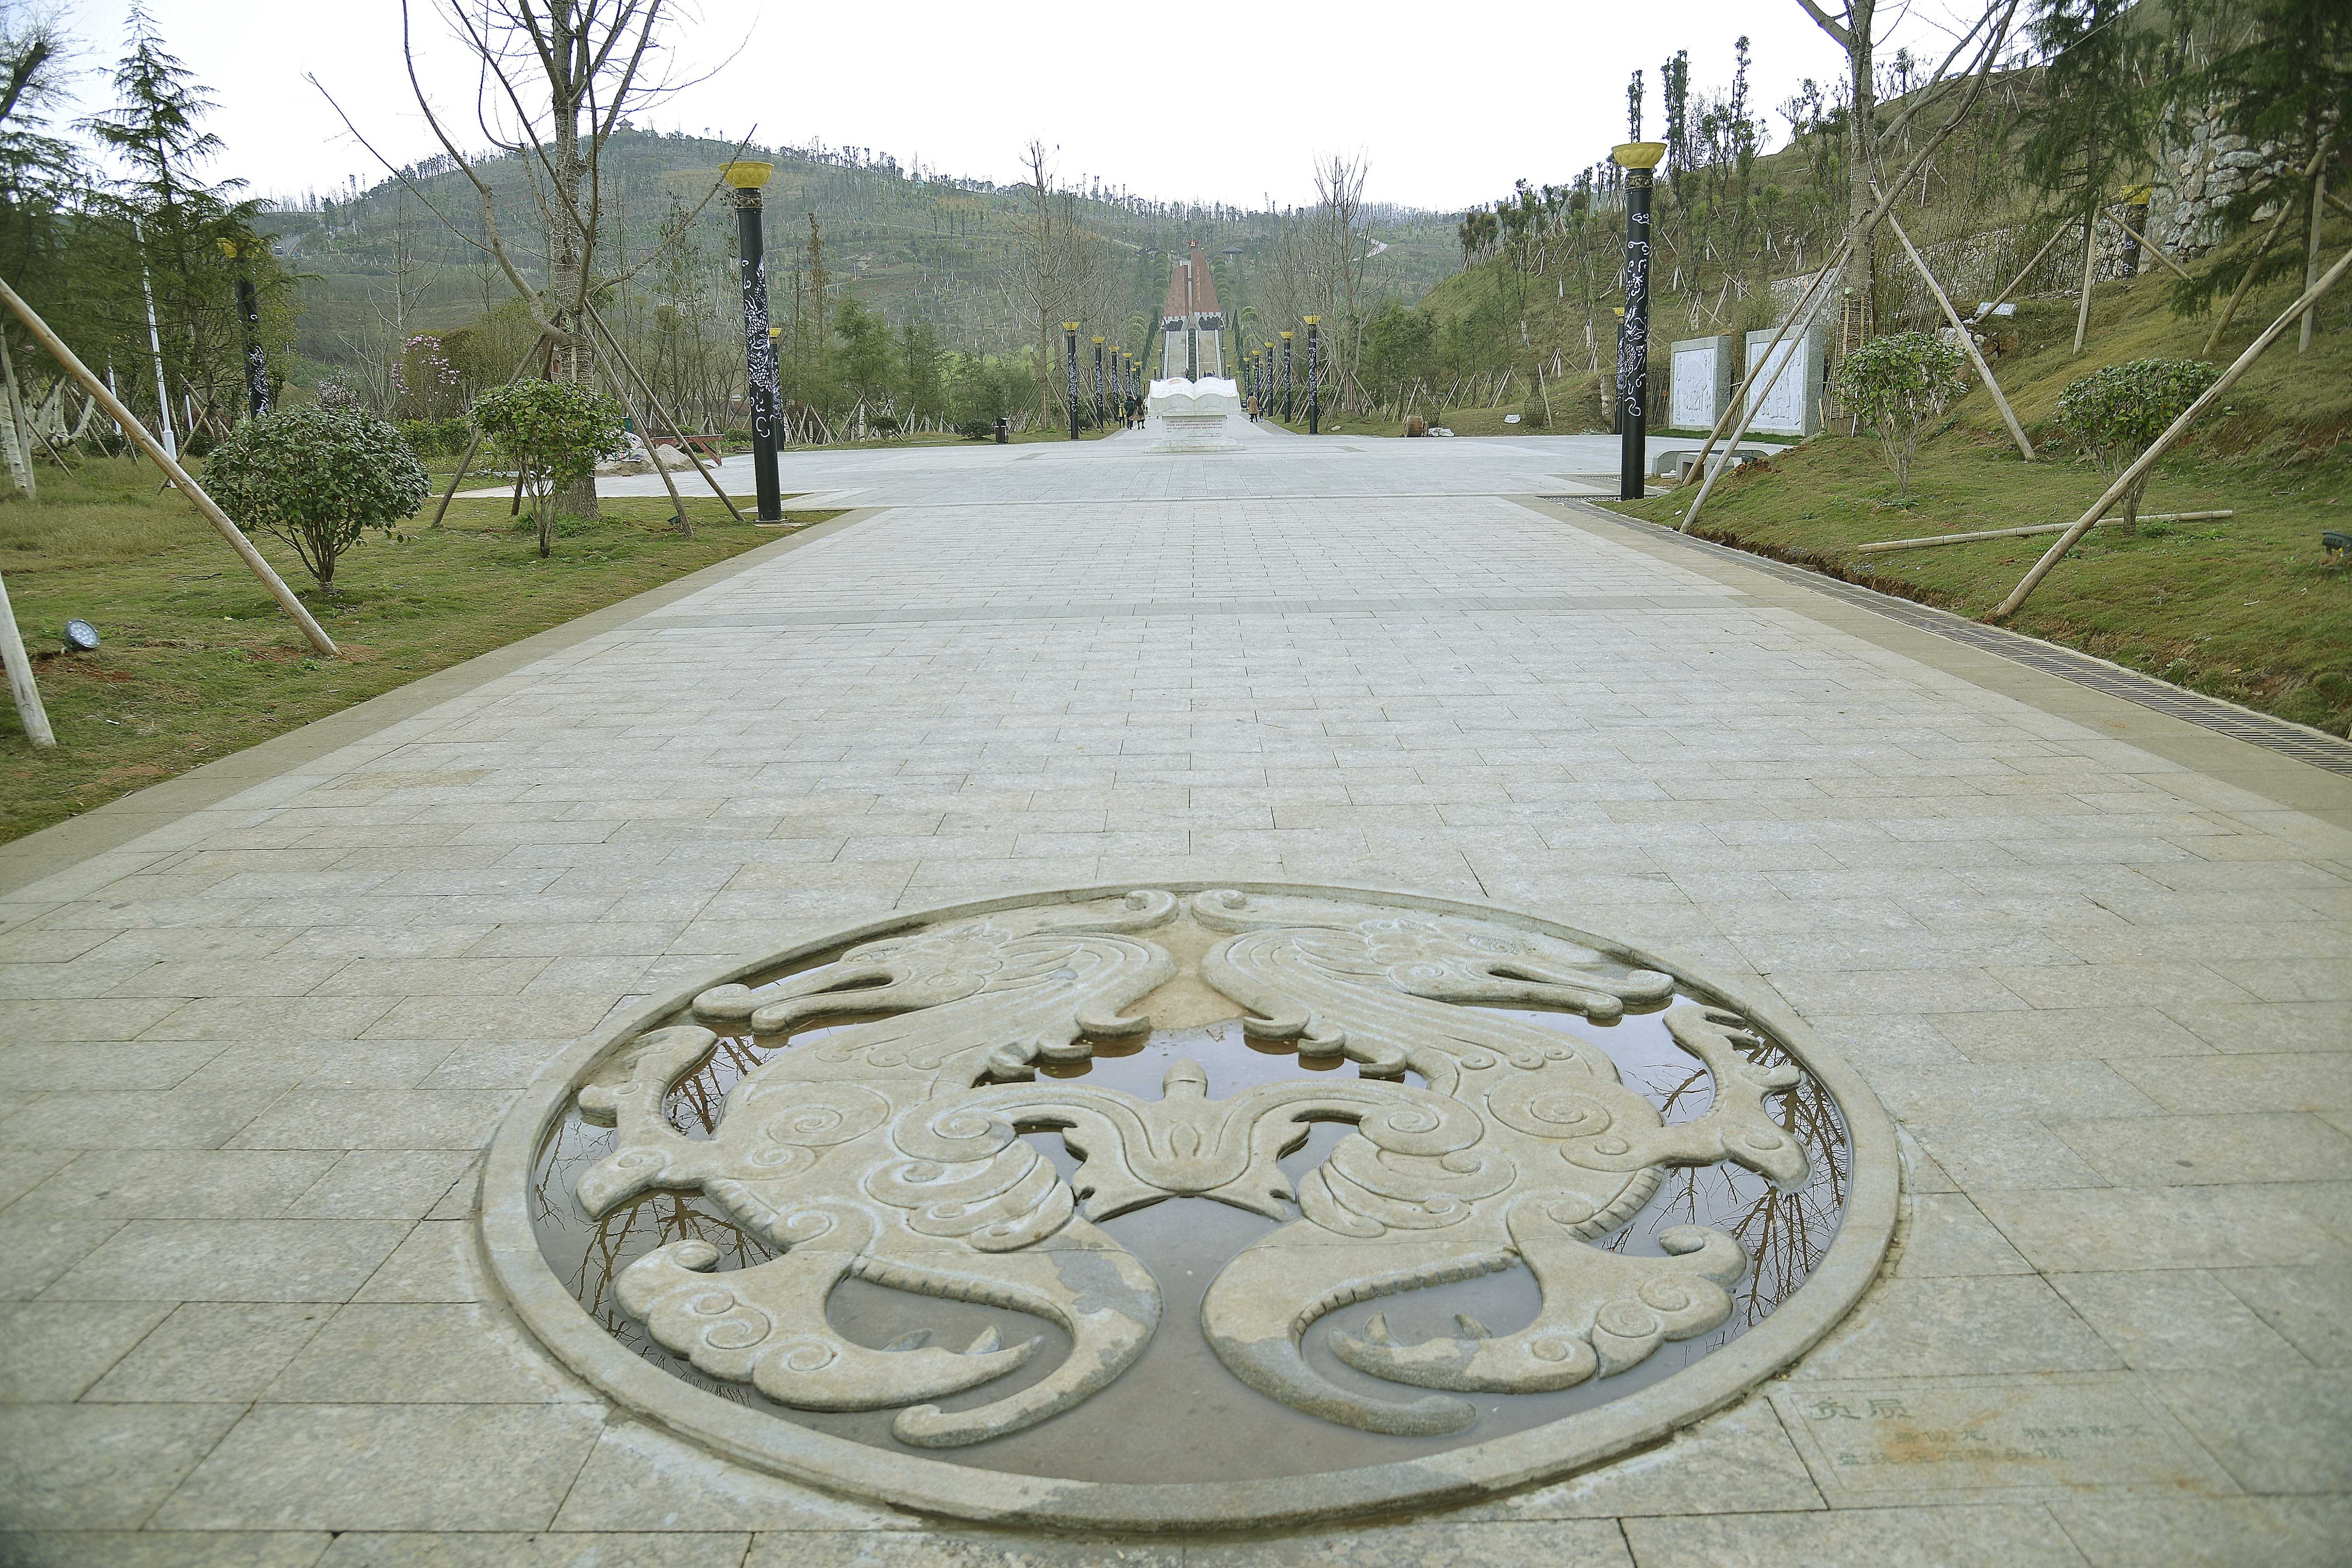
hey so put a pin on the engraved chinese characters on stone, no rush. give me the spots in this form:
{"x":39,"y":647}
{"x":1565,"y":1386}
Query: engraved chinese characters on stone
{"x":892,"y":1151}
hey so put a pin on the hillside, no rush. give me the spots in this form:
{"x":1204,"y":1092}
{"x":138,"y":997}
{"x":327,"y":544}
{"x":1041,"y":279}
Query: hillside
{"x":908,"y":243}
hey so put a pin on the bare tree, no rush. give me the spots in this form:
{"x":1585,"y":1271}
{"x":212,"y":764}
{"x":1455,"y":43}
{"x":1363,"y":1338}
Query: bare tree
{"x":1343,"y":247}
{"x":1849,"y":28}
{"x":555,"y":79}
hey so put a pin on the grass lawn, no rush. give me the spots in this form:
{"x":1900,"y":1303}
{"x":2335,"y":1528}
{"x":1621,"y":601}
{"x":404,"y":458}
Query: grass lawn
{"x":198,"y":661}
{"x":2243,"y":608}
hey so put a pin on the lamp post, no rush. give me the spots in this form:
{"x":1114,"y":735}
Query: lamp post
{"x":758,"y":341}
{"x":1314,"y":393}
{"x":1070,"y":355}
{"x":248,"y":323}
{"x":1637,"y":159}
{"x":1099,"y":382}
{"x":1286,"y":378}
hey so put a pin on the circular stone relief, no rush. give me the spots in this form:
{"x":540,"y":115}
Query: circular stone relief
{"x":1192,"y":1206}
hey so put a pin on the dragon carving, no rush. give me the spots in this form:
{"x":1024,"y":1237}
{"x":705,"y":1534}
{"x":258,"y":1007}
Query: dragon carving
{"x":892,"y":1151}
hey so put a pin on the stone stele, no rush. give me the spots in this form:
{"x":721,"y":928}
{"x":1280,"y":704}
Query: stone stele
{"x":891,"y":1151}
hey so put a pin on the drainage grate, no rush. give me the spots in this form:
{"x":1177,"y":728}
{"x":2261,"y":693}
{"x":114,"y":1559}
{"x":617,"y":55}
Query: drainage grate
{"x":2300,"y":742}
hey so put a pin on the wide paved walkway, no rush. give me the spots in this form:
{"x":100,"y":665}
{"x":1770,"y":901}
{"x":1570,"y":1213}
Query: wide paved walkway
{"x":247,"y":1059}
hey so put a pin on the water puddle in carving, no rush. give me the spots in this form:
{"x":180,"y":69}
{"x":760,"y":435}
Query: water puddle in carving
{"x":1177,"y":1412}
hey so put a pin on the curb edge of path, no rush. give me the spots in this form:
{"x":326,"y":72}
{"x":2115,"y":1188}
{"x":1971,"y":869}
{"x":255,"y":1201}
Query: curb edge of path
{"x":2285,"y":782}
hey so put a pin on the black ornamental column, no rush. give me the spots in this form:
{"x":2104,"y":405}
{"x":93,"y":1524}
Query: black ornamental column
{"x":248,"y":325}
{"x":1314,"y":393}
{"x":759,"y":346}
{"x":1070,"y":355}
{"x":1286,"y":378}
{"x":1637,"y":159}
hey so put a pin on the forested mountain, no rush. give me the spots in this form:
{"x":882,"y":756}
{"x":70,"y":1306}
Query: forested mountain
{"x":376,"y":267}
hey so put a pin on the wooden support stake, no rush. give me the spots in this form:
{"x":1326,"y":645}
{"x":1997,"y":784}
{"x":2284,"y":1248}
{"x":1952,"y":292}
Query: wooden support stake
{"x":2025,"y":272}
{"x":1932,"y":540}
{"x":621,"y":395}
{"x":2150,"y":247}
{"x":2173,"y":432}
{"x":1967,"y":341}
{"x":676,"y":429}
{"x":20,"y":677}
{"x":2090,"y":258}
{"x":2270,"y":236}
{"x":2311,"y":255}
{"x":187,"y":487}
{"x":20,"y":429}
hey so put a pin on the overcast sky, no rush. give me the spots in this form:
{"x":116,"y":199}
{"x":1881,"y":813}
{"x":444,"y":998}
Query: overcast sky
{"x":1450,"y":102}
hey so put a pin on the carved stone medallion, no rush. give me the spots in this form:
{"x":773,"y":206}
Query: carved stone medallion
{"x":930,"y":1109}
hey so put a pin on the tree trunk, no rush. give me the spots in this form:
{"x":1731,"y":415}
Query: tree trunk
{"x":1859,"y":280}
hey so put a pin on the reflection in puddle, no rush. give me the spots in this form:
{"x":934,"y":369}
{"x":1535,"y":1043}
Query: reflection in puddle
{"x":1177,"y":1412}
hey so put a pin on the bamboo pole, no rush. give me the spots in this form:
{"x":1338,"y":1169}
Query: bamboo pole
{"x":2311,"y":255}
{"x":20,"y":677}
{"x":2149,"y":246}
{"x":676,"y":430}
{"x":2146,"y":460}
{"x":621,"y":394}
{"x":1854,"y":234}
{"x":2090,"y":259}
{"x":474,"y":441}
{"x":1931,"y":541}
{"x":2270,"y":236}
{"x":187,"y":487}
{"x":1967,"y":341}
{"x":2026,"y":271}
{"x":20,"y":446}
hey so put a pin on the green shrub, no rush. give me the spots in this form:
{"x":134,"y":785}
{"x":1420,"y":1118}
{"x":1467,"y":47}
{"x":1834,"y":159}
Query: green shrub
{"x":437,"y":438}
{"x":1897,"y":385}
{"x":553,"y":433}
{"x":317,"y":479}
{"x":2117,"y":413}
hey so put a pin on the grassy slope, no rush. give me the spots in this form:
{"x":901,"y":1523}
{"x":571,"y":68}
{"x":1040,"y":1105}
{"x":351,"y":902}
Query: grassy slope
{"x":198,"y":662}
{"x":2243,"y":608}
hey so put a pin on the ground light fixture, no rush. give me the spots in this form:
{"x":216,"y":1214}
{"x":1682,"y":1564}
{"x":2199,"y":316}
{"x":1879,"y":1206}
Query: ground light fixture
{"x":80,"y":636}
{"x":1637,"y":159}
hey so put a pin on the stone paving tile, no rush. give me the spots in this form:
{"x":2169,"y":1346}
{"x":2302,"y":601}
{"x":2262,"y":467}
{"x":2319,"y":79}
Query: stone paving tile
{"x":2208,"y":1149}
{"x":639,"y":1478}
{"x":432,"y":1263}
{"x":2277,"y":1429}
{"x":421,"y":1352}
{"x":2310,"y":1308}
{"x":51,"y":1351}
{"x":1739,"y":1462}
{"x":376,"y":1184}
{"x":2104,"y":1229}
{"x":39,"y":1247}
{"x":209,"y":1352}
{"x":2209,"y":1533}
{"x":175,"y":1183}
{"x":320,"y":1467}
{"x":83,"y":1467}
{"x":230,"y":1260}
{"x":543,"y":1549}
{"x":2175,"y":1319}
{"x":1551,"y":1543}
{"x":1945,"y":1235}
{"x":1993,"y":1537}
{"x":1959,"y":1327}
{"x":163,"y":1549}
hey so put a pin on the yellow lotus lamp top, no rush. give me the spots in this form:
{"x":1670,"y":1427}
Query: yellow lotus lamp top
{"x":1638,"y":155}
{"x":746,"y":174}
{"x":1311,"y":321}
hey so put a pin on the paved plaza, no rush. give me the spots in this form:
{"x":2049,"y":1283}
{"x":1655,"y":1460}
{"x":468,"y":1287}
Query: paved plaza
{"x":256,"y":1026}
